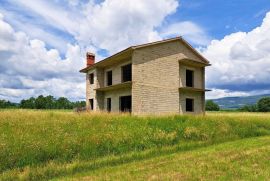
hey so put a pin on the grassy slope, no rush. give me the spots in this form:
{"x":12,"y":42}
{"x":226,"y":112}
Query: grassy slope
{"x":246,"y":159}
{"x":47,"y":144}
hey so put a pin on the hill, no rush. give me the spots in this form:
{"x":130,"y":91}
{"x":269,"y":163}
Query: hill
{"x":237,"y":102}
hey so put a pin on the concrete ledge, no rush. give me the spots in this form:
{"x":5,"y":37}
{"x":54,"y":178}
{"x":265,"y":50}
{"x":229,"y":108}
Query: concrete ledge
{"x":115,"y":86}
{"x":193,"y":89}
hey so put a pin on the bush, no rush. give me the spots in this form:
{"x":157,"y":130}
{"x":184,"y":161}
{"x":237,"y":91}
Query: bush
{"x":6,"y":104}
{"x":264,"y":104}
{"x":49,"y":102}
{"x":249,"y":108}
{"x":211,"y":106}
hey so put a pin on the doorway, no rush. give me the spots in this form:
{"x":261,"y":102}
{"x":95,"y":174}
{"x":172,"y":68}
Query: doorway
{"x":125,"y":103}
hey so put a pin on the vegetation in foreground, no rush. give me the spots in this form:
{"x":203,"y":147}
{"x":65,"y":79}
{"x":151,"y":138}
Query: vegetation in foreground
{"x":245,"y":159}
{"x":36,"y":145}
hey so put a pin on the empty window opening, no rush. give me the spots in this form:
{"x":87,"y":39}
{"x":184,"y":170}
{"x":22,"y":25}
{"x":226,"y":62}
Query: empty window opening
{"x":189,"y":78}
{"x":91,"y":78}
{"x":189,"y":105}
{"x":109,"y":104}
{"x":109,"y":78}
{"x":91,"y":102}
{"x":125,"y":104}
{"x":126,"y":73}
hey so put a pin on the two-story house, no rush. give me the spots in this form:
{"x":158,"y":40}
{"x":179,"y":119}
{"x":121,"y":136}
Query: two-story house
{"x":166,"y":76}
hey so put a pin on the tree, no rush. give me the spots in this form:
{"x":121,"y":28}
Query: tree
{"x":40,"y":102}
{"x":211,"y":106}
{"x":249,"y":108}
{"x":28,"y":103}
{"x":264,"y":104}
{"x":6,"y":104}
{"x":63,"y":103}
{"x":49,"y":102}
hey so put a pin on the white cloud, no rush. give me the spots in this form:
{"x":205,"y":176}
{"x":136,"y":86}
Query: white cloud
{"x":219,"y":93}
{"x":35,"y":30}
{"x":241,"y":60}
{"x":123,"y":23}
{"x":189,"y":30}
{"x":56,"y":16}
{"x":111,"y":25}
{"x":28,"y":68}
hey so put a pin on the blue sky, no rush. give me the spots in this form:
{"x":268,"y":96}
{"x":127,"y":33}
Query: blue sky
{"x":43,"y":43}
{"x":223,"y":17}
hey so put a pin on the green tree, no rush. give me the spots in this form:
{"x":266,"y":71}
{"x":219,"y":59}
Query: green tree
{"x":78,"y":104}
{"x":249,"y":108}
{"x":6,"y":104}
{"x":264,"y":104}
{"x":40,"y":102}
{"x":63,"y":103}
{"x":211,"y":106}
{"x":49,"y":102}
{"x":28,"y":103}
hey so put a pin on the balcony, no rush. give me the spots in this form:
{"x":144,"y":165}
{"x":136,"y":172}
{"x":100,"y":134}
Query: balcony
{"x":115,"y":86}
{"x":193,"y":89}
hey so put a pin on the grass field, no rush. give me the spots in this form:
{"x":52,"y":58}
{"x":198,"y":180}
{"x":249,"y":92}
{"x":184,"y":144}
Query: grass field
{"x":42,"y":145}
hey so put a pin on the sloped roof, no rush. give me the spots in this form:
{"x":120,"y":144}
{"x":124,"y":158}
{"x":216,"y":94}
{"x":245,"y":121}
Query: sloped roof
{"x":130,"y":49}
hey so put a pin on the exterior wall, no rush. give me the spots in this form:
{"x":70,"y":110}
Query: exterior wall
{"x":90,"y":92}
{"x":156,"y":77}
{"x":90,"y":89}
{"x":198,"y":76}
{"x":116,"y":72}
{"x":198,"y":102}
{"x":100,"y":81}
{"x":114,"y":95}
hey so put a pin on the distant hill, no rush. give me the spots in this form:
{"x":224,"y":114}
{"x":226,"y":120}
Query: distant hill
{"x":236,"y":102}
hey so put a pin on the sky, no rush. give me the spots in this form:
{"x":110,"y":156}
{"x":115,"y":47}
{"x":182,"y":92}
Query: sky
{"x":43,"y":43}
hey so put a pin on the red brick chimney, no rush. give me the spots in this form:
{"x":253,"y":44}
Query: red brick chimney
{"x":90,"y":59}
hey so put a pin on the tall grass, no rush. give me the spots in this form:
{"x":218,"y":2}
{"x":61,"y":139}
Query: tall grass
{"x":34,"y":138}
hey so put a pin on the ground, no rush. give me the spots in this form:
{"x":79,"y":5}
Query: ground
{"x":60,"y":145}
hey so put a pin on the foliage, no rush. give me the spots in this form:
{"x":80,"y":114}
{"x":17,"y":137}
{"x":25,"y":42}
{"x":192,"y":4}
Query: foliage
{"x":49,"y":102}
{"x":249,"y":108}
{"x":33,"y":143}
{"x":264,"y":104}
{"x":211,"y":106}
{"x":6,"y":104}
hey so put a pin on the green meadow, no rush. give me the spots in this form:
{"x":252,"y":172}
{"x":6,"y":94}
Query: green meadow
{"x":62,"y":145}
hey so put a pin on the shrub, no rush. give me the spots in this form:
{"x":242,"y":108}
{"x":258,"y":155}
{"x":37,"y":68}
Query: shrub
{"x":211,"y":106}
{"x":249,"y":108}
{"x":264,"y":104}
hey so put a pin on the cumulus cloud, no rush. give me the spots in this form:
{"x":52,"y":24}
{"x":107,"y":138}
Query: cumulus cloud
{"x":35,"y":52}
{"x":28,"y":68}
{"x":241,"y":60}
{"x":189,"y":30}
{"x":123,"y":23}
{"x":219,"y":93}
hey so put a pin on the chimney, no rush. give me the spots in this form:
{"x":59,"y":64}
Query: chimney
{"x":90,"y":59}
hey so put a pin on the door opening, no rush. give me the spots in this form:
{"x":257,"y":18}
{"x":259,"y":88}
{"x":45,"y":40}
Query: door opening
{"x":125,"y":104}
{"x":109,"y":104}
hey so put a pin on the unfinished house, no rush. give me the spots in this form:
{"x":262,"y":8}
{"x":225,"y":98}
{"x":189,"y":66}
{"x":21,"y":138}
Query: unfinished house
{"x":166,"y":76}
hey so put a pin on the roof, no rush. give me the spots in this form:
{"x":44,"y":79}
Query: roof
{"x":130,"y":49}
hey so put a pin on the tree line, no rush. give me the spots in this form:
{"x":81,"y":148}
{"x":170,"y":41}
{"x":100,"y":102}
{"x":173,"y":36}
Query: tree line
{"x":263,"y":105}
{"x":43,"y":102}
